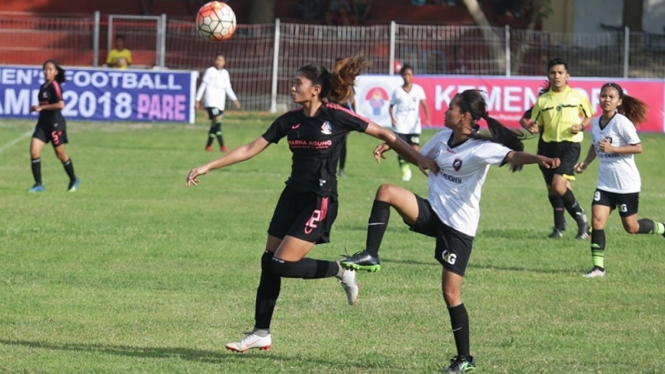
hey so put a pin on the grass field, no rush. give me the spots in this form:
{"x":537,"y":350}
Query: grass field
{"x":136,"y":273}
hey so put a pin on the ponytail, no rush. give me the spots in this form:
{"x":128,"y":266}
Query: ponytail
{"x":343,"y":77}
{"x":474,"y":103}
{"x":633,"y":108}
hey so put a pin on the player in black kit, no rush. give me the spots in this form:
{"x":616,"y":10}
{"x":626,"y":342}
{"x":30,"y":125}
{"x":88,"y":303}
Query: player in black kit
{"x":51,"y":126}
{"x":308,"y":205}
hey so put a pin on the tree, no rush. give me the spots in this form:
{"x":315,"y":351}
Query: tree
{"x":261,"y":11}
{"x":533,"y":11}
{"x":633,"y":11}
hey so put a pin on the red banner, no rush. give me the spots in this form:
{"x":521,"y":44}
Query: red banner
{"x":507,"y":98}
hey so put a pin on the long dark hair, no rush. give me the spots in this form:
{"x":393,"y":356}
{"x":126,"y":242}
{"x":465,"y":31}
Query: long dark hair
{"x":473,"y":102}
{"x":338,"y":85}
{"x":631,"y":107}
{"x":60,"y":76}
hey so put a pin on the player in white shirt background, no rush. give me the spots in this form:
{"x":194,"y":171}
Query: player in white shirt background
{"x":614,"y":141}
{"x":452,"y":210}
{"x":216,"y":84}
{"x":405,"y":103}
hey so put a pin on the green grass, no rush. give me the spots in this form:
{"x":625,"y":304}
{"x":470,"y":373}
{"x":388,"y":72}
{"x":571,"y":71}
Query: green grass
{"x":136,"y":273}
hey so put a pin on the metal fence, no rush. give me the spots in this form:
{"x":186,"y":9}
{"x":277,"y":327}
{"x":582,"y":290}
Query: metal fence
{"x":263,"y":58}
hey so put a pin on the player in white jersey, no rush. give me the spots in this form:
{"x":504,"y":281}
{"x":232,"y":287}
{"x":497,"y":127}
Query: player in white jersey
{"x":216,"y":84}
{"x":405,"y":102}
{"x":614,"y":141}
{"x":451,"y":212}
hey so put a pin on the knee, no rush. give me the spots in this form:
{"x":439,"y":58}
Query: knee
{"x":385,"y":192}
{"x":452,"y":296}
{"x":559,"y":188}
{"x":597,"y":223}
{"x":631,"y":228}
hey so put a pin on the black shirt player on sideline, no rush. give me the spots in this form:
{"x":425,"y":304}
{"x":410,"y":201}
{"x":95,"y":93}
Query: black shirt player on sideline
{"x":308,"y":205}
{"x":51,"y":126}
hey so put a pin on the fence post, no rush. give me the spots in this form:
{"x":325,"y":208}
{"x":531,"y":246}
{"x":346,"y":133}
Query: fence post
{"x":626,"y":51}
{"x":95,"y":41}
{"x":275,"y":66}
{"x":161,"y":42}
{"x":391,"y":63}
{"x":507,"y":33}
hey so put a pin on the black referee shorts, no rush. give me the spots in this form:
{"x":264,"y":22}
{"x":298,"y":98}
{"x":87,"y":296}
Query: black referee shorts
{"x":567,"y":152}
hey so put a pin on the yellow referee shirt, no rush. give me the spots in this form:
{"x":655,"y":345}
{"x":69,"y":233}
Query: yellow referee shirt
{"x":557,"y":112}
{"x":115,"y":56}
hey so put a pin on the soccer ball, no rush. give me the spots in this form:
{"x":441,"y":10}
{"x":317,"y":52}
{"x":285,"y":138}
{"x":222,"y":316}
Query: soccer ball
{"x":216,"y":21}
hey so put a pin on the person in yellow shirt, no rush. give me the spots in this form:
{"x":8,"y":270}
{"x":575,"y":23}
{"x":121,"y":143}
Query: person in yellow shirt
{"x":119,"y":57}
{"x":562,"y":114}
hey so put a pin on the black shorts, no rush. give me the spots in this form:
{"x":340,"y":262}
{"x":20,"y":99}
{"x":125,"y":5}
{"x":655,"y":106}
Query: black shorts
{"x":57,"y":135}
{"x":303,"y":215}
{"x":567,"y":152}
{"x":214,"y":112}
{"x":453,"y":248}
{"x":412,"y":139}
{"x":628,"y":203}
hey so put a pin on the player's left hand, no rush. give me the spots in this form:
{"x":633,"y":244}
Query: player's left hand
{"x":237,"y":104}
{"x":193,"y":174}
{"x":379,"y":151}
{"x":549,"y":163}
{"x":576,"y":129}
{"x":35,"y":108}
{"x":426,"y":163}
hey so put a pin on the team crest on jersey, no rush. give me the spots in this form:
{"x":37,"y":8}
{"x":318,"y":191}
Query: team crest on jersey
{"x":457,"y":164}
{"x":45,"y":95}
{"x":326,"y":129}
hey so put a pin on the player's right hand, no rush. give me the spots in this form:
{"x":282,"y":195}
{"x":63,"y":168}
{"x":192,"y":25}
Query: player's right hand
{"x":580,"y":167}
{"x":379,"y":151}
{"x":193,"y":174}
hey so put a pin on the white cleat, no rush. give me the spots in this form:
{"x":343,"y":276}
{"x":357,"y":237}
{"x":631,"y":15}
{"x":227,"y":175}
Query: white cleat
{"x":594,"y":273}
{"x":250,"y":341}
{"x":350,"y":284}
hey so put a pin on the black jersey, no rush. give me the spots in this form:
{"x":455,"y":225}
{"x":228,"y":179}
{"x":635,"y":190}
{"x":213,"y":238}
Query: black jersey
{"x":50,"y":93}
{"x":316,"y":143}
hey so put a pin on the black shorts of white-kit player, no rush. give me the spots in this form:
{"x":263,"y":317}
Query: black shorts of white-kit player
{"x":453,"y":248}
{"x":214,"y":112}
{"x":304,"y":215}
{"x":626,"y":203}
{"x":411,"y":139}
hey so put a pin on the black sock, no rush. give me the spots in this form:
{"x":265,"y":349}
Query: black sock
{"x":558,"y":208}
{"x":37,"y":169}
{"x":647,"y":226}
{"x":211,"y":136}
{"x":572,"y":206}
{"x":459,"y":319}
{"x":306,"y":268}
{"x":598,"y":248}
{"x":376,"y":227}
{"x":69,"y":168}
{"x":267,"y":293}
{"x":217,"y":128}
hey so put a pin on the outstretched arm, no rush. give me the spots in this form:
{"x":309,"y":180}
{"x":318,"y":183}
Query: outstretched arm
{"x":392,"y":141}
{"x":524,"y":158}
{"x":240,"y":154}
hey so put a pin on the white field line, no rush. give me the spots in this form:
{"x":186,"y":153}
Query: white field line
{"x":11,"y":143}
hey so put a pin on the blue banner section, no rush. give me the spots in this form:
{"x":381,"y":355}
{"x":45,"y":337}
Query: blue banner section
{"x":104,"y":94}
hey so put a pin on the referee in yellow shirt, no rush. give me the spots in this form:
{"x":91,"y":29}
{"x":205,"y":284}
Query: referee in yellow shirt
{"x":562,"y":113}
{"x":119,"y":57}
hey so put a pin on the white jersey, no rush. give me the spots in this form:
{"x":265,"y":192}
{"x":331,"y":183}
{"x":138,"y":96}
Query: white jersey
{"x":405,"y":106}
{"x":454,"y":192}
{"x":216,"y":84}
{"x":616,"y":173}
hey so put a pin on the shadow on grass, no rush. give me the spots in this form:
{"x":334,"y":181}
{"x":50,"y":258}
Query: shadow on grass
{"x":524,"y":269}
{"x":213,"y":357}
